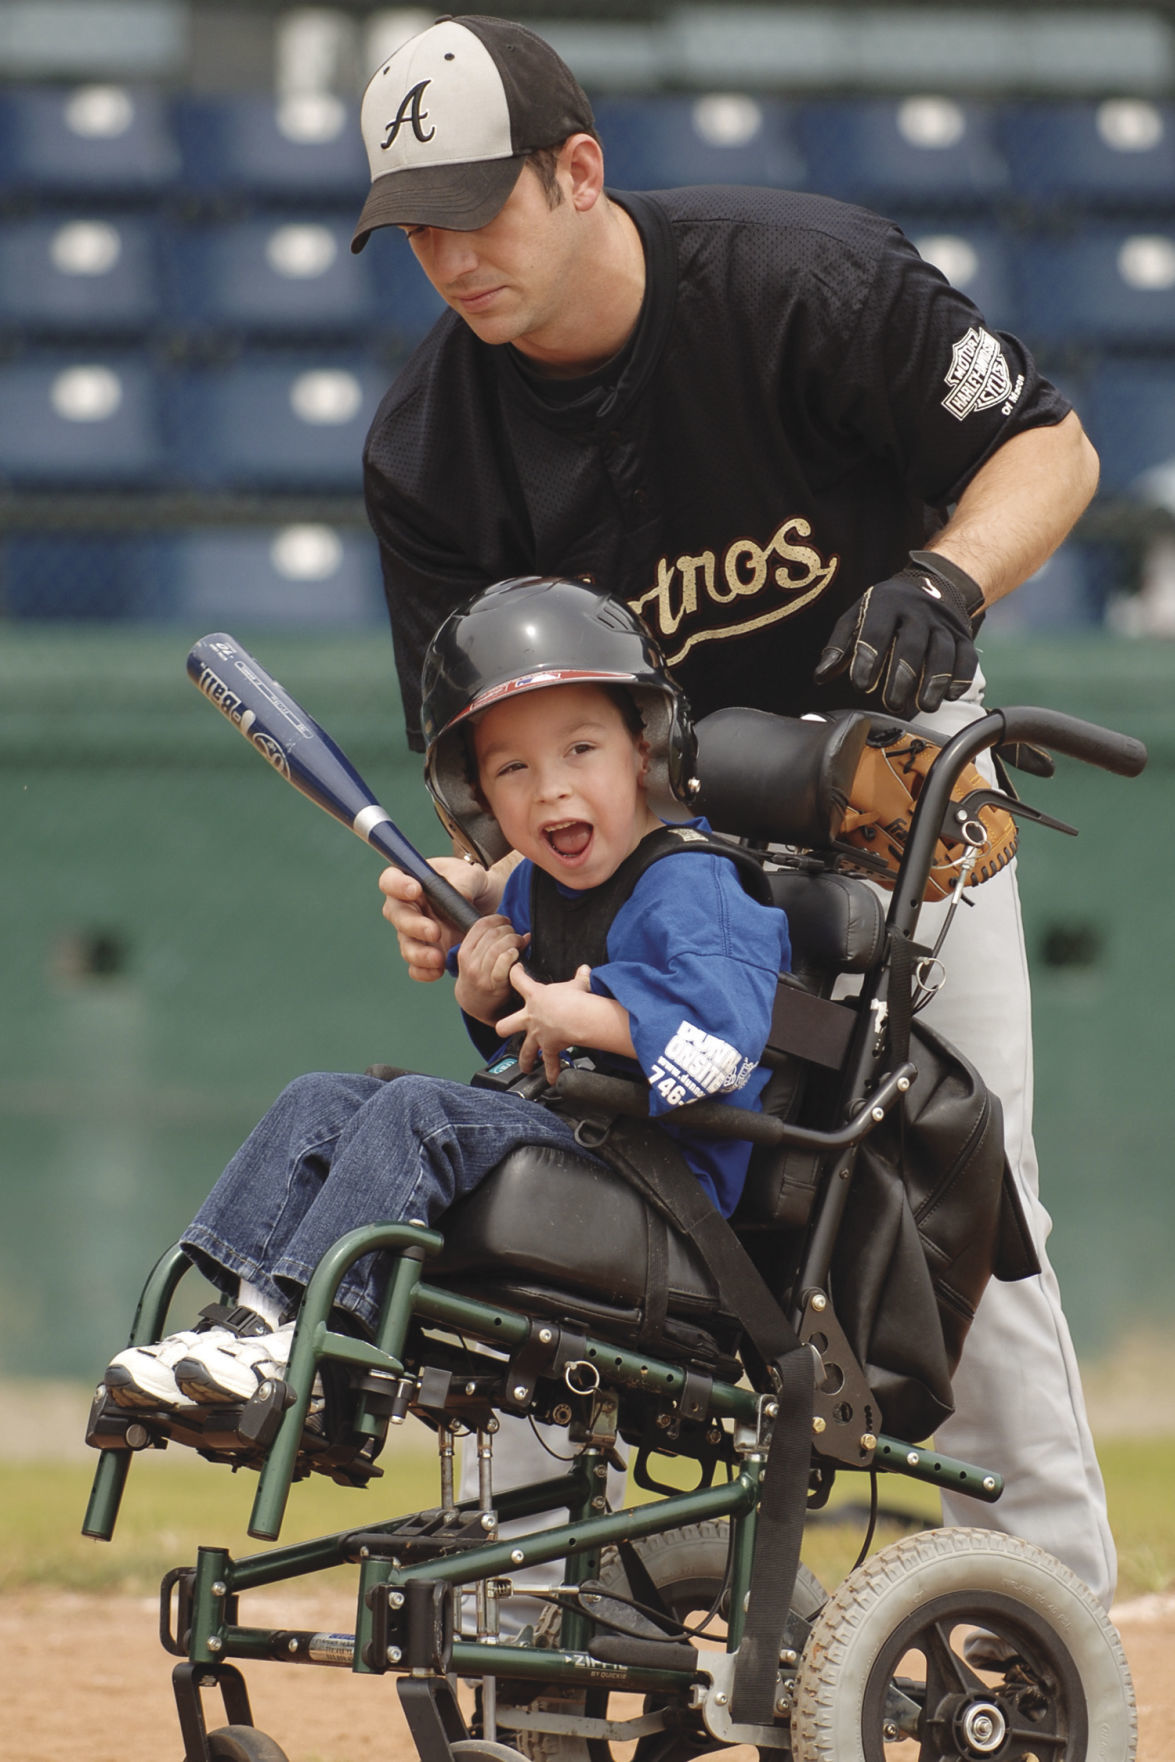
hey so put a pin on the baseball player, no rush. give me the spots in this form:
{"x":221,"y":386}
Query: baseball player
{"x":810,"y":465}
{"x":568,"y":767}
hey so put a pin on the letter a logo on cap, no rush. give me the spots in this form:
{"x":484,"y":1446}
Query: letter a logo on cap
{"x":410,"y":111}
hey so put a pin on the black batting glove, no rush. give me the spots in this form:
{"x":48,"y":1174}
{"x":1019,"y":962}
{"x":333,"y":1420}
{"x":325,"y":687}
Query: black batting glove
{"x":909,"y":637}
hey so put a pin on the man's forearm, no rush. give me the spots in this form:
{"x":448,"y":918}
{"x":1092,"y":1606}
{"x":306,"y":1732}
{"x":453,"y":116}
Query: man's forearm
{"x":1020,"y":505}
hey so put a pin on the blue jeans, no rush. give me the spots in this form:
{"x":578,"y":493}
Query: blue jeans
{"x":336,"y":1151}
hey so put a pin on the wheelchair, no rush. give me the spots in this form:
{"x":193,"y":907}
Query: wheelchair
{"x":813,"y":1336}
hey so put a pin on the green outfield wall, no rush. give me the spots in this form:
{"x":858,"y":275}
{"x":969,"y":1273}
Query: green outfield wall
{"x":180,"y":934}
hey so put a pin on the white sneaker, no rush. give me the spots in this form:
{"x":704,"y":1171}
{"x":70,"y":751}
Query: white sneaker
{"x":144,"y":1376}
{"x":219,"y":1367}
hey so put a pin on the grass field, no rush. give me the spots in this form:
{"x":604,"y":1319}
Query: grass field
{"x":175,"y":1502}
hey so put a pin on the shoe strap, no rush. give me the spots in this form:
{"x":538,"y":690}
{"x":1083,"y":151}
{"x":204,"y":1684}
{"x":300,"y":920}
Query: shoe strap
{"x":246,"y":1324}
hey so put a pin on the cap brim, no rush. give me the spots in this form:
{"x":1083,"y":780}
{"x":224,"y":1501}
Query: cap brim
{"x":459,"y":198}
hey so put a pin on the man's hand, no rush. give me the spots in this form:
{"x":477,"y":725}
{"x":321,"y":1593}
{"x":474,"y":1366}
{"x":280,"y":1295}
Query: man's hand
{"x":425,"y":940}
{"x":909,"y":637}
{"x":487,"y":955}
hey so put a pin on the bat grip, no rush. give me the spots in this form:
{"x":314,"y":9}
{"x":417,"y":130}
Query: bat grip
{"x":446,"y":900}
{"x":383,"y":835}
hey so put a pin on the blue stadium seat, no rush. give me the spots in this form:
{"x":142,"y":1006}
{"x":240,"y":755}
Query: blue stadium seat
{"x":80,"y":577}
{"x":306,"y":148}
{"x":917,"y":151}
{"x":1110,"y":154}
{"x":666,"y":141}
{"x":105,"y":142}
{"x":408,"y":304}
{"x":92,"y":273}
{"x":1067,"y":593}
{"x":308,"y":574}
{"x":284,"y":423}
{"x":275,"y":274}
{"x":976,"y":257}
{"x":81,"y":421}
{"x":1130,"y":415}
{"x":1107,"y":285}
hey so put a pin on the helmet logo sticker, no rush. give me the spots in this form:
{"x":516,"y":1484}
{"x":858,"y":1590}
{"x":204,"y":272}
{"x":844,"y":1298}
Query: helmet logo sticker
{"x":535,"y":681}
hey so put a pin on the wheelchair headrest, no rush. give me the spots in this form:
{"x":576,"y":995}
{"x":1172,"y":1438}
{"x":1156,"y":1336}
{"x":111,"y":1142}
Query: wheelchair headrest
{"x":778,"y":779}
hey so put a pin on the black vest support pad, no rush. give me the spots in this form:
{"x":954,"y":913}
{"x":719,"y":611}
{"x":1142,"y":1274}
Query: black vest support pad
{"x":571,"y":932}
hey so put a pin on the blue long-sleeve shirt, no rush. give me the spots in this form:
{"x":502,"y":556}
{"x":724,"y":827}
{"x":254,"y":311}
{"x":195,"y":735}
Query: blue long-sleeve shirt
{"x":694,"y":961}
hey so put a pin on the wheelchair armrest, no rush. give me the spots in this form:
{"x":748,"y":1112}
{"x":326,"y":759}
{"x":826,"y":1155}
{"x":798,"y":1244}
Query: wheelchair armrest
{"x":715,"y":1119}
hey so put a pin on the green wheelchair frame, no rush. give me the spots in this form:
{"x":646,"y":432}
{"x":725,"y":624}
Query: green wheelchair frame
{"x":1061,"y":1690}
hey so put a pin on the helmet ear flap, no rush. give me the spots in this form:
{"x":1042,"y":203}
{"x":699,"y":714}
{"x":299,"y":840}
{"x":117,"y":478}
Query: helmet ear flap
{"x":463,"y":843}
{"x":459,"y":804}
{"x":673,"y":751}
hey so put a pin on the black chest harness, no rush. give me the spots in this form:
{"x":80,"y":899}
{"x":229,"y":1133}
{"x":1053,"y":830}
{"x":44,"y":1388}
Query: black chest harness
{"x":569,"y":931}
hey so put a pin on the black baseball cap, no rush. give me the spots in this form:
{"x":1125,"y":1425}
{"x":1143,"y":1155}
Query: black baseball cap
{"x":450,"y":118}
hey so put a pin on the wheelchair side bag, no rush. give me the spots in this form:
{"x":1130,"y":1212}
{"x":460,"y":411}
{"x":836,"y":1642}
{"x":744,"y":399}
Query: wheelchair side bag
{"x":934,"y":1214}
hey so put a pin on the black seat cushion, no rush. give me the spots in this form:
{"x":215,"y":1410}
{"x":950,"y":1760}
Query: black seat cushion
{"x":552,"y":1216}
{"x":554,"y":1233}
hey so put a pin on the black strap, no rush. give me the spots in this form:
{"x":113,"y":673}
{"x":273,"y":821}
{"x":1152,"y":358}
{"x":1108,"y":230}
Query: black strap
{"x":656,"y":1304}
{"x":652,"y":1163}
{"x":900,"y":996}
{"x":570,"y":931}
{"x":808,"y":1027}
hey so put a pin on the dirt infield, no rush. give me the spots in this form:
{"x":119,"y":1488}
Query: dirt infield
{"x":85,"y":1680}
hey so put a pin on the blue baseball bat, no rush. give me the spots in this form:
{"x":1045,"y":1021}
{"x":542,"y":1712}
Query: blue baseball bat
{"x":306,"y":756}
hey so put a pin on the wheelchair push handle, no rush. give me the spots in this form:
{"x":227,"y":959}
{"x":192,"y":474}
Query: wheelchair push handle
{"x":1047,"y":728}
{"x":1087,"y":741}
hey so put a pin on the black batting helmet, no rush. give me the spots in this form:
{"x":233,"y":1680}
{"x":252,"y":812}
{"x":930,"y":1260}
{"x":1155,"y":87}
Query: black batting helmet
{"x":526,"y":634}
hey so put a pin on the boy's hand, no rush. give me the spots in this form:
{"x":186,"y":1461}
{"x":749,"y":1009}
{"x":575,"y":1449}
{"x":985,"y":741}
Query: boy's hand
{"x":487,"y":957}
{"x":425,"y":940}
{"x":552,"y":1018}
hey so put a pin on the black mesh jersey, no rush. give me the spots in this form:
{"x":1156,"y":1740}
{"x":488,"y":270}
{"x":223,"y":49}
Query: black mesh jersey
{"x":800,"y":403}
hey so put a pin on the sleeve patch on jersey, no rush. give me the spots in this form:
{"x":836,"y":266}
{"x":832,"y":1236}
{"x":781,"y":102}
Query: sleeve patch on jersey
{"x":978,"y":377}
{"x":695,"y":1064}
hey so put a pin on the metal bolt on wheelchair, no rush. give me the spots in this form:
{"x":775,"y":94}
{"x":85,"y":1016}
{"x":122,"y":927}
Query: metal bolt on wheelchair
{"x":594,"y":1294}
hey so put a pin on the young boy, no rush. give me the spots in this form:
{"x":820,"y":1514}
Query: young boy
{"x":553,"y":729}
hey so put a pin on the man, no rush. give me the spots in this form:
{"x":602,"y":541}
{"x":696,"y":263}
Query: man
{"x":807,"y":462}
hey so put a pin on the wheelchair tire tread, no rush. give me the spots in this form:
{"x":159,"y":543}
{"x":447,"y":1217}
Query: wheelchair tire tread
{"x":243,"y":1743}
{"x":943,"y":1584}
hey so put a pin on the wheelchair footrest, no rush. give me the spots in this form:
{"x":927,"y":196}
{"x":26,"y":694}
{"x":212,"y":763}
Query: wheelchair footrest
{"x":427,"y":1535}
{"x":238,"y":1435}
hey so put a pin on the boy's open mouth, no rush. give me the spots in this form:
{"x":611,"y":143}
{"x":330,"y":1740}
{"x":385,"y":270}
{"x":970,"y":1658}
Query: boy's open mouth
{"x":569,"y":839}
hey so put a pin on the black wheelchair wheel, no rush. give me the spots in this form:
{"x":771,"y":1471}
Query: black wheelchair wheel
{"x":688,"y":1567}
{"x":243,"y":1743}
{"x":485,"y":1750}
{"x":896,"y":1671}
